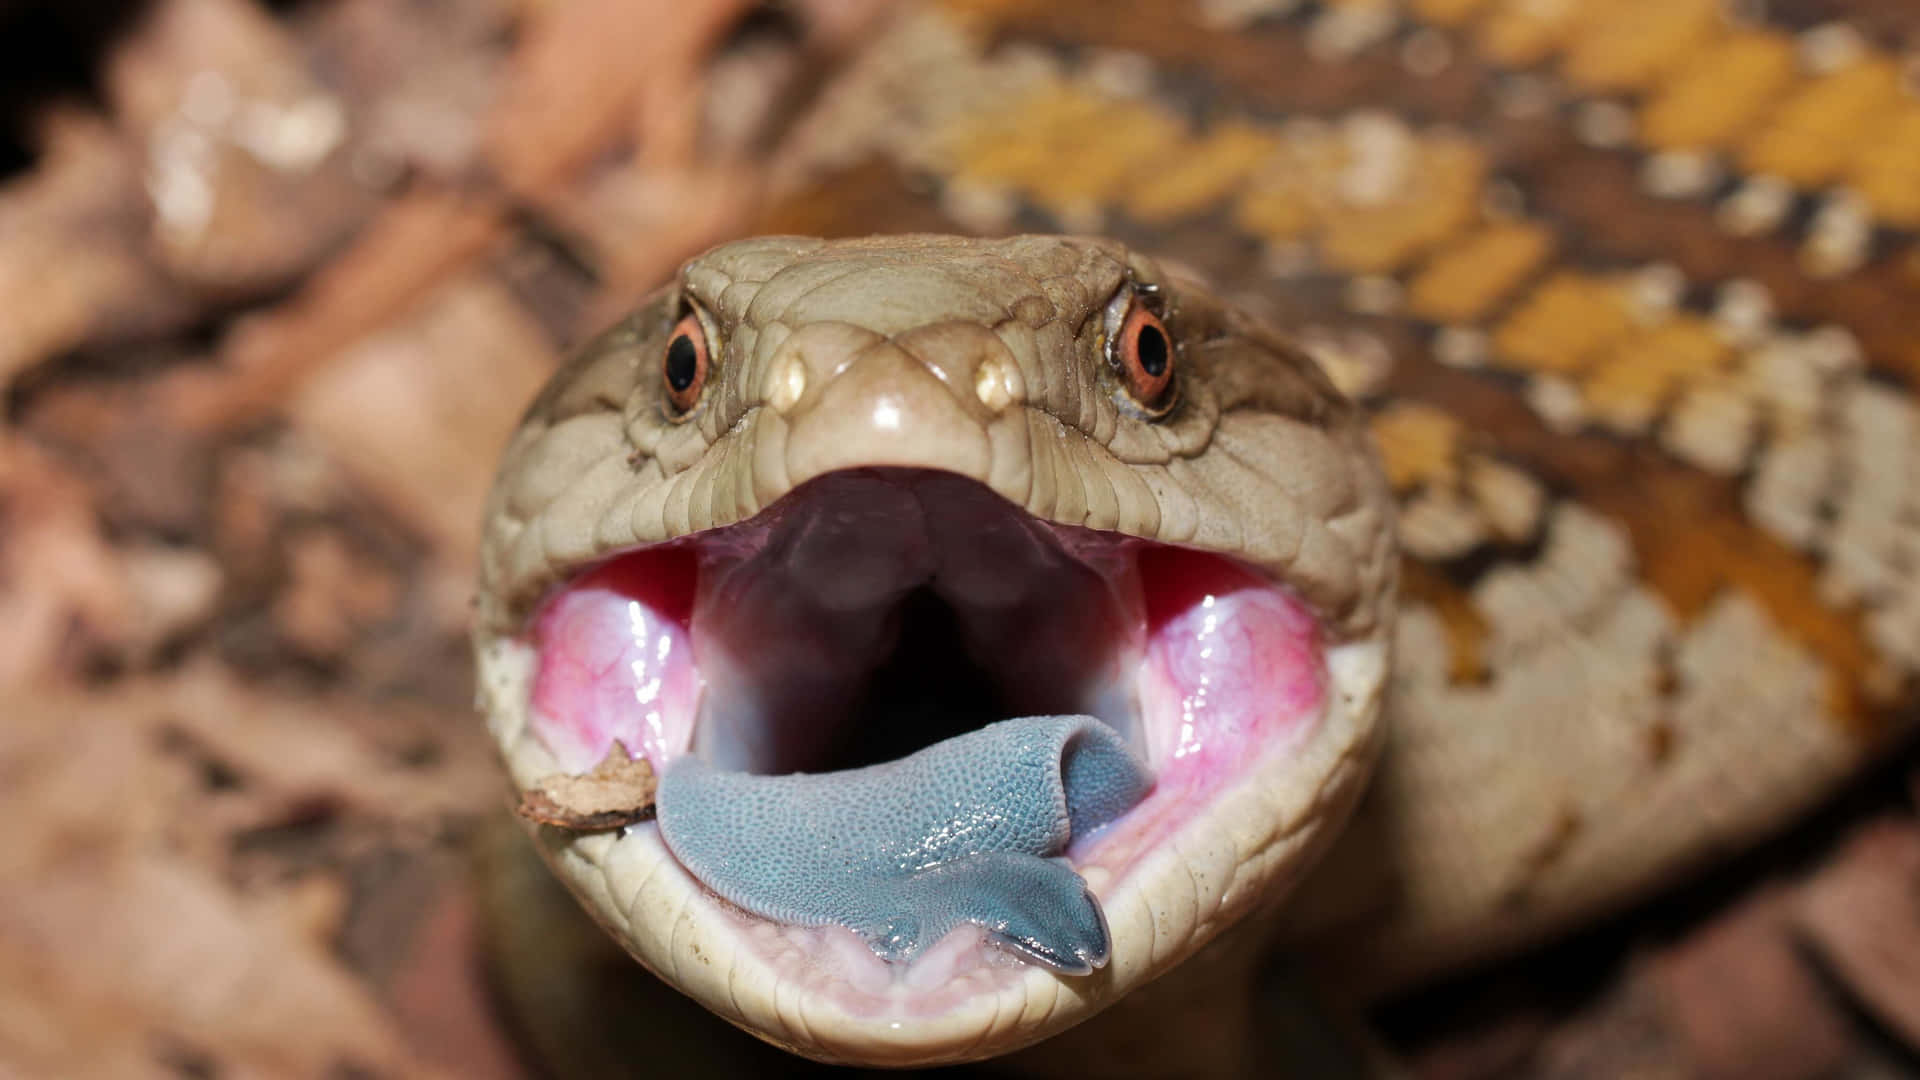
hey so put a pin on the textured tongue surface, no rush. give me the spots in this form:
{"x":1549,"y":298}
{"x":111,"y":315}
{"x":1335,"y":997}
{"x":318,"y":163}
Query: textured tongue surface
{"x":901,"y":853}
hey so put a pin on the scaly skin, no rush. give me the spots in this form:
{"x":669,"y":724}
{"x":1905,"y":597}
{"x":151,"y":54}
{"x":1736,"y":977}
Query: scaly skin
{"x":1656,"y":449}
{"x":984,"y":360}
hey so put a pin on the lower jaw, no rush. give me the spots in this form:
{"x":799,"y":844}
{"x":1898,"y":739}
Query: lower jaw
{"x":1231,"y":811}
{"x":819,"y":991}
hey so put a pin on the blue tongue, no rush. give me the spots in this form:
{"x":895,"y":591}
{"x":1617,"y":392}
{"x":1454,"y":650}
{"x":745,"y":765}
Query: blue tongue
{"x":961,"y":832}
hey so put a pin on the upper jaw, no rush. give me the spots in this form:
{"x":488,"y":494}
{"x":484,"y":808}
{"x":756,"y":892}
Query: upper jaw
{"x":1260,"y":461}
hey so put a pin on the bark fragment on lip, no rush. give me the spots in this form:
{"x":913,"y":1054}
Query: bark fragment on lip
{"x":617,"y":793}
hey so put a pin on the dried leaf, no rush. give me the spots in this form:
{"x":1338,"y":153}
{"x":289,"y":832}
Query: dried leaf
{"x":126,"y":948}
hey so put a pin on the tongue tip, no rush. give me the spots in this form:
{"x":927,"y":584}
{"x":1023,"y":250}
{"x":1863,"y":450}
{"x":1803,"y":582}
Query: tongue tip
{"x":1077,"y":961}
{"x":1078,"y":966}
{"x":1091,"y":952}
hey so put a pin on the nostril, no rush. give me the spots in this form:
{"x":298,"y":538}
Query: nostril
{"x":788,"y":384}
{"x":887,"y":408}
{"x":969,"y":359}
{"x":997,"y":383}
{"x":800,"y":364}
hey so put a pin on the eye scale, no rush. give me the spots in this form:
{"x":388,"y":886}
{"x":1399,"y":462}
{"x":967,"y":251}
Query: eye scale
{"x":685,"y":363}
{"x":1143,"y":355}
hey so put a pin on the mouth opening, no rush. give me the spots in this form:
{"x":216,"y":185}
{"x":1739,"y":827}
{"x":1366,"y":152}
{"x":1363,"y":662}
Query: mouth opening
{"x":867,"y":615}
{"x":926,"y":691}
{"x":873,"y":614}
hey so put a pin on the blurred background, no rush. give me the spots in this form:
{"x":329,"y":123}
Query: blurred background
{"x":277,"y":278}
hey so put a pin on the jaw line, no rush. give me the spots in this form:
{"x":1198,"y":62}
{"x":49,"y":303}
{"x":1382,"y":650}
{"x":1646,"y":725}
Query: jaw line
{"x":1197,"y":876}
{"x":679,"y":931}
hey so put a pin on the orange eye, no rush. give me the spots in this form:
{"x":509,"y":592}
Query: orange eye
{"x":1143,"y":353}
{"x":683,"y":366}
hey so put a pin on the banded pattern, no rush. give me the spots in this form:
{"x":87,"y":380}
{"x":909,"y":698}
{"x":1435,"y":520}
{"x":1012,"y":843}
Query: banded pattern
{"x":1708,"y":83}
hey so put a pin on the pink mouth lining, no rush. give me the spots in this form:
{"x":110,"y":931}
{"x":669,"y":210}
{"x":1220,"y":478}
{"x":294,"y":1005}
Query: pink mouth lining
{"x":616,"y":661}
{"x":1233,"y":672}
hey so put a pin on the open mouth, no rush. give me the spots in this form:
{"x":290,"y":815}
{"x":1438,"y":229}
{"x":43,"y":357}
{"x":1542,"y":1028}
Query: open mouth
{"x":881,"y":614}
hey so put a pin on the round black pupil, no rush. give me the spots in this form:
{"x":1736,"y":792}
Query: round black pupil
{"x":683,"y":362}
{"x":1153,"y":349}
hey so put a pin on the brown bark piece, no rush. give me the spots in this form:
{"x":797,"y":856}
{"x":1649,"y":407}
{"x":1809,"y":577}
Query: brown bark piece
{"x":617,"y":793}
{"x":1861,"y":915}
